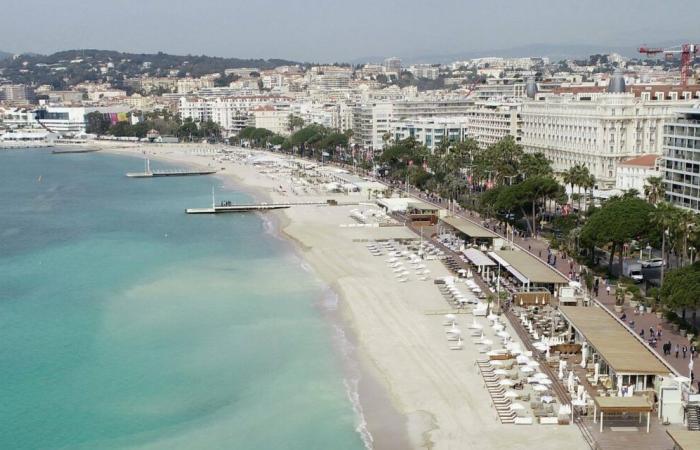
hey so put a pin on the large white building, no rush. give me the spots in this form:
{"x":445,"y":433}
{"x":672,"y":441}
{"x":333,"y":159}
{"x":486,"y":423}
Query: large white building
{"x":231,"y":113}
{"x":597,"y":130}
{"x":490,"y":122}
{"x":372,"y":124}
{"x":682,"y":159}
{"x":431,"y":132}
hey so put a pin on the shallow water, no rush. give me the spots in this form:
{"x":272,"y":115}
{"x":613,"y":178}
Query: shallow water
{"x":125,"y":323}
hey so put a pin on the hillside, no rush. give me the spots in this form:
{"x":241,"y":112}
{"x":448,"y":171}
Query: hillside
{"x":74,"y":66}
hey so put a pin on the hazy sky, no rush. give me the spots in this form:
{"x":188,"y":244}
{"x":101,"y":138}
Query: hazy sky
{"x":334,"y":30}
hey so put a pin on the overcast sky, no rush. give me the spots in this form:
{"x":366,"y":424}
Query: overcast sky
{"x":337,"y":30}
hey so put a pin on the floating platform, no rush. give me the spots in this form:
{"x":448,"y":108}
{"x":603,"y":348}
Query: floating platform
{"x":169,"y":173}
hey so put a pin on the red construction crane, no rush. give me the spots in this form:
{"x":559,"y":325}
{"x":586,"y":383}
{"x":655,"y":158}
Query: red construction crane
{"x":687,"y":52}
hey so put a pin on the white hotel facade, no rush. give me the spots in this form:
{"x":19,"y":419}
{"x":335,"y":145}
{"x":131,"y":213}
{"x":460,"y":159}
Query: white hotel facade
{"x":597,"y":130}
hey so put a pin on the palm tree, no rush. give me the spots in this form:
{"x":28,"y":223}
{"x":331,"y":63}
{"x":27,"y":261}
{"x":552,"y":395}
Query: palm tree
{"x":664,"y":218}
{"x":654,"y":189}
{"x":588,"y":186}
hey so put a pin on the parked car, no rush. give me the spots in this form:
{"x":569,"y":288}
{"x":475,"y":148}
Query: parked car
{"x":637,"y":276}
{"x":654,"y":262}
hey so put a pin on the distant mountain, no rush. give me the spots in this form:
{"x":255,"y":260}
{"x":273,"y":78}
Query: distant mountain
{"x":4,"y":55}
{"x":554,"y":52}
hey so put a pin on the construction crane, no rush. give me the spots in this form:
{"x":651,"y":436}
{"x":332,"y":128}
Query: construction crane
{"x":687,"y":52}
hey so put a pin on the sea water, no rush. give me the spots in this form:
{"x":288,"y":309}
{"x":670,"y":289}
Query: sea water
{"x":125,"y":323}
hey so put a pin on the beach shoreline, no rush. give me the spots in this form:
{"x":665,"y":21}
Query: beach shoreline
{"x":437,"y":396}
{"x":379,"y":424}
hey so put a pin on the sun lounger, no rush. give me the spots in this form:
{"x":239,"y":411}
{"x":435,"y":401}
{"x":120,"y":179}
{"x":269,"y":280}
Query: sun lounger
{"x":523,"y":421}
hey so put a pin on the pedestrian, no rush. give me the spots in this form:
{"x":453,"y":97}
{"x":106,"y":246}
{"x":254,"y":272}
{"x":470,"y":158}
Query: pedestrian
{"x":677,"y":350}
{"x":607,"y":289}
{"x":685,"y":350}
{"x":641,"y":333}
{"x":571,"y":266}
{"x":651,"y":331}
{"x":665,"y":349}
{"x":692,"y":351}
{"x":529,"y":247}
{"x":540,"y":254}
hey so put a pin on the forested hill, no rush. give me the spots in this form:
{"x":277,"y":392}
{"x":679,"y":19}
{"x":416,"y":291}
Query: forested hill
{"x":74,"y":66}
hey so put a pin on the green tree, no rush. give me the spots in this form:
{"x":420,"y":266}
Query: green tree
{"x":680,"y":288}
{"x":616,"y":223}
{"x":535,"y":164}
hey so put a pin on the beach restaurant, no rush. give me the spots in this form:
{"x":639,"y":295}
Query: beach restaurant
{"x":618,"y":359}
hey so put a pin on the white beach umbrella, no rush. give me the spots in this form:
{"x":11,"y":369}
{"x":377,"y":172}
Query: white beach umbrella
{"x":540,"y":388}
{"x":527,"y":369}
{"x":545,"y":381}
{"x":506,"y":382}
{"x":496,"y":363}
{"x":517,"y":407}
{"x":533,"y":363}
{"x":511,"y":394}
{"x":539,"y":375}
{"x":500,"y":372}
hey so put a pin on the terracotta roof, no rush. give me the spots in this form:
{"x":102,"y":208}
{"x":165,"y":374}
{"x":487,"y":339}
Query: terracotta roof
{"x":644,"y":160}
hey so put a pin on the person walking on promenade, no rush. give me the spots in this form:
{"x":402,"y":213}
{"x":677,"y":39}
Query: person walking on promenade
{"x":685,"y":350}
{"x":677,"y":350}
{"x":607,"y":289}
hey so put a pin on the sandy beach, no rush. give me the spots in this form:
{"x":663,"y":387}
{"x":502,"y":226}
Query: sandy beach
{"x":397,"y":326}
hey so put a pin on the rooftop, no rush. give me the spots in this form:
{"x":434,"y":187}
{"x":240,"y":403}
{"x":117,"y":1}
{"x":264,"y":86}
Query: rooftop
{"x":641,"y":161}
{"x":532,"y":268}
{"x":623,"y":404}
{"x":469,"y":228}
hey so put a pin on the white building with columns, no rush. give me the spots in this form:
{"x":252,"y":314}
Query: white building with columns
{"x":597,"y":130}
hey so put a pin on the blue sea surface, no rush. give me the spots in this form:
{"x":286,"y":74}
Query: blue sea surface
{"x":125,"y":323}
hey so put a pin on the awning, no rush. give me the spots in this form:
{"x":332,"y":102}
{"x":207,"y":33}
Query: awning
{"x":478,"y":258}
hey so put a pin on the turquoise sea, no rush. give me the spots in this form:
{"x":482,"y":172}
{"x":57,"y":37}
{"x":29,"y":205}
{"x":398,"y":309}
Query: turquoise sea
{"x":125,"y":323}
